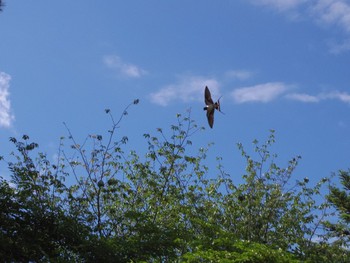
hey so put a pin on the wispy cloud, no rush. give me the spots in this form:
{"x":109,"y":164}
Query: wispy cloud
{"x":338,"y":48}
{"x":188,"y":88}
{"x":6,"y":116}
{"x":333,"y":95}
{"x":259,"y":93}
{"x":239,"y":74}
{"x":333,"y":12}
{"x":323,"y":12}
{"x":122,"y":68}
{"x":280,"y":5}
{"x":303,"y":97}
{"x":337,"y":95}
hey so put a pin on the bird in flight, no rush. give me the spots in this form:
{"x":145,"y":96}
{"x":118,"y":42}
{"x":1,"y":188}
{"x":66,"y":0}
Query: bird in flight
{"x":210,"y":106}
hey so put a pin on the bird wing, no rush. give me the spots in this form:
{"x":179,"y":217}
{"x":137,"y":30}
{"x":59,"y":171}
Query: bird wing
{"x":207,"y":97}
{"x":210,"y":116}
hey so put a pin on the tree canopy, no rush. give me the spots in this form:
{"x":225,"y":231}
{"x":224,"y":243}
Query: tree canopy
{"x":162,"y":206}
{"x":340,"y":198}
{"x":2,"y":4}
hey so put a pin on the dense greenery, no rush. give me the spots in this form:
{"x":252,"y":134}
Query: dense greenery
{"x":164,"y":205}
{"x":1,"y":5}
{"x":340,"y":198}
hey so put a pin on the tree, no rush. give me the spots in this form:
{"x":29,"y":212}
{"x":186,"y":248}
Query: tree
{"x":164,"y":205}
{"x":268,"y":208}
{"x":2,"y":4}
{"x":34,"y":224}
{"x":132,"y":200}
{"x":340,"y":198}
{"x":238,"y":252}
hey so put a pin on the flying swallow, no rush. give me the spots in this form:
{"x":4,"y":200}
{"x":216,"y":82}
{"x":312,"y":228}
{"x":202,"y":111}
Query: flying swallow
{"x":210,"y":106}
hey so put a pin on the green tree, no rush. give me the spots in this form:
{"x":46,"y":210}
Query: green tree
{"x":136,"y":202}
{"x":164,"y":205}
{"x":340,"y":198}
{"x":34,"y":225}
{"x":269,"y":208}
{"x":238,"y":252}
{"x":339,"y":232}
{"x":2,"y":4}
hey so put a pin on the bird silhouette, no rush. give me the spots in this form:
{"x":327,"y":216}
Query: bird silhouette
{"x":210,"y":106}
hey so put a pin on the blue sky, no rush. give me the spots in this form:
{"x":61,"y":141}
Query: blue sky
{"x":279,"y":64}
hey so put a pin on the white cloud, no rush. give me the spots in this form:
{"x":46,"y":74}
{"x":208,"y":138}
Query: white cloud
{"x":189,"y":88}
{"x":323,"y":12}
{"x":259,"y":93}
{"x":333,"y":95}
{"x":333,"y":12}
{"x":124,"y":69}
{"x":327,"y":11}
{"x":6,"y":116}
{"x":239,"y":74}
{"x":303,"y":97}
{"x":280,"y":5}
{"x":342,"y":96}
{"x":337,"y":48}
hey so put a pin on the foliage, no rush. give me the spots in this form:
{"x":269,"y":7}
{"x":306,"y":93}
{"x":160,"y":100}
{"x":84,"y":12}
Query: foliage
{"x":270,"y":209}
{"x":34,"y":224}
{"x":238,"y":252}
{"x":340,"y":198}
{"x":163,"y":206}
